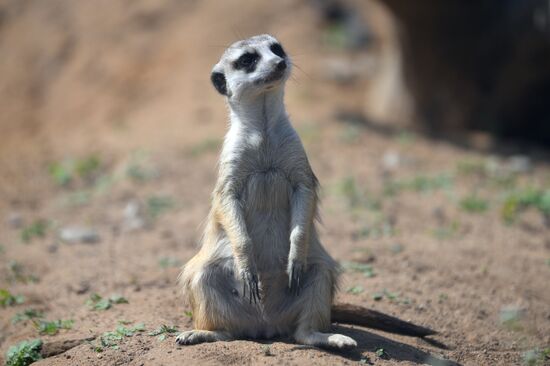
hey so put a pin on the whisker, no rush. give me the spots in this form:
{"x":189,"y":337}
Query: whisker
{"x":294,"y":79}
{"x":302,"y":70}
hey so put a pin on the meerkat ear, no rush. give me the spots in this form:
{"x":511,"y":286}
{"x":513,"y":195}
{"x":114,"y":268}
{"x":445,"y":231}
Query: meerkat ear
{"x":218,"y":79}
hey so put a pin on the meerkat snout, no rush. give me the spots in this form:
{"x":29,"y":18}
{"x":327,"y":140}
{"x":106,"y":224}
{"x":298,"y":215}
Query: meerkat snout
{"x":251,"y":67}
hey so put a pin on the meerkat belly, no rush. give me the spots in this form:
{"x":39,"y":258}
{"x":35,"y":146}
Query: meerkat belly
{"x":266,"y":203}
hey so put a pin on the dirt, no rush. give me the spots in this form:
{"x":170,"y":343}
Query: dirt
{"x":128,"y":83}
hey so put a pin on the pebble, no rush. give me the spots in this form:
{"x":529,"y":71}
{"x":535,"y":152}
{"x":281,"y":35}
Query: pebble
{"x":78,"y":234}
{"x":134,"y":218}
{"x":15,"y":220}
{"x":520,"y":164}
{"x":391,"y":160}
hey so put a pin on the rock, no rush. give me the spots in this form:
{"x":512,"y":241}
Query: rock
{"x":391,"y":160}
{"x":134,"y":216}
{"x":77,"y":234}
{"x":15,"y":220}
{"x":52,"y":248}
{"x":520,"y":164}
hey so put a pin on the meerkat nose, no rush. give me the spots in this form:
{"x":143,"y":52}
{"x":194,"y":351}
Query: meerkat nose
{"x":281,"y":65}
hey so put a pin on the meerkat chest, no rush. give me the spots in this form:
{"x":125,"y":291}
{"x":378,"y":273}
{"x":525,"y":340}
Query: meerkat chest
{"x":263,"y":164}
{"x":267,"y":185}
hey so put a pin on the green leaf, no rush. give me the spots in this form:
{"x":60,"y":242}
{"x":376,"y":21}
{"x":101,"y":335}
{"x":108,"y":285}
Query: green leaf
{"x":355,"y":290}
{"x":158,"y":205}
{"x":7,"y":299}
{"x":96,"y":302}
{"x":35,"y":230}
{"x":474,"y":204}
{"x":53,"y":327}
{"x":60,"y":173}
{"x":163,"y":330}
{"x":118,"y":299}
{"x":27,"y":314}
{"x":24,"y":353}
{"x":366,"y":269}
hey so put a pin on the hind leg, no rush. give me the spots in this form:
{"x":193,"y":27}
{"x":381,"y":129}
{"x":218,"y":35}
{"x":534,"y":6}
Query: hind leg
{"x":315,"y":302}
{"x":219,"y":310}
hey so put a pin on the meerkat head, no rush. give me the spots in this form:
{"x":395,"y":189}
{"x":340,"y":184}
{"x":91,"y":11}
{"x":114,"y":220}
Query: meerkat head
{"x":251,"y":67}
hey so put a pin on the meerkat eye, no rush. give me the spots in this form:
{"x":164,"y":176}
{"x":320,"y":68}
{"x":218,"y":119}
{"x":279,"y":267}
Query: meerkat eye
{"x":247,"y":61}
{"x":277,"y":49}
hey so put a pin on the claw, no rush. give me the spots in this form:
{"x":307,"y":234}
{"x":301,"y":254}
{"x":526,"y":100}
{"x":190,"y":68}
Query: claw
{"x":250,"y":281}
{"x":294,"y":276}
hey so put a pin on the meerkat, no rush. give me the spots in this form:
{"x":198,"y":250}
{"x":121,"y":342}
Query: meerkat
{"x":261,"y":270}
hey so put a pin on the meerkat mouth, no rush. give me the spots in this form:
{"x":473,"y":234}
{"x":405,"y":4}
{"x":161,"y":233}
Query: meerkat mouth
{"x":276,"y":75}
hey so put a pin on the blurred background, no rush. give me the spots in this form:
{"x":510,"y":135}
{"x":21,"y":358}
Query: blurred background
{"x":427,"y":122}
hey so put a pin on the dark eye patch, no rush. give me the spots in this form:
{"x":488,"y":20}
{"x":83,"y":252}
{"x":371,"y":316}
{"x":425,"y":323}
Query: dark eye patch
{"x":277,"y":49}
{"x":247,"y":62}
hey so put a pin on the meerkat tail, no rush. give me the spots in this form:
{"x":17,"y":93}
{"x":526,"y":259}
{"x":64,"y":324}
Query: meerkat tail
{"x":358,"y":315}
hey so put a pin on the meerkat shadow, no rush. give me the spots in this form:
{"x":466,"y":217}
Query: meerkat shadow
{"x":393,"y":350}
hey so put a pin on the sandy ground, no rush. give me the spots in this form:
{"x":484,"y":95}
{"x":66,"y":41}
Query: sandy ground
{"x":129,"y":85}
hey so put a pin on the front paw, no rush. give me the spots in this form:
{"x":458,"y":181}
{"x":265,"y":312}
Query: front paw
{"x":250,"y":285}
{"x":295,"y":273}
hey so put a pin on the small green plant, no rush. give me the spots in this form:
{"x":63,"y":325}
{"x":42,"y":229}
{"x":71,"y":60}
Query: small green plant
{"x":27,"y":314}
{"x":355,"y":290}
{"x":164,"y":331}
{"x":37,"y":229}
{"x":158,"y":205}
{"x":474,"y":204}
{"x":65,"y":172}
{"x":420,"y":183}
{"x":520,"y":200}
{"x":536,"y":357}
{"x":366,"y":269}
{"x":139,"y":169}
{"x":52,"y":327}
{"x":17,"y":273}
{"x":188,"y":314}
{"x":510,"y":318}
{"x":96,"y":302}
{"x":60,"y":173}
{"x":24,"y":353}
{"x":447,"y":231}
{"x":113,"y":339}
{"x":7,"y":299}
{"x":391,"y":296}
{"x":380,"y":228}
{"x":87,"y":167}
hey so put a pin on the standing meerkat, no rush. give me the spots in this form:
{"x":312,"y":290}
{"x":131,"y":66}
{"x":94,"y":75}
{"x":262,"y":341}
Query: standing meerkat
{"x":261,"y":270}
